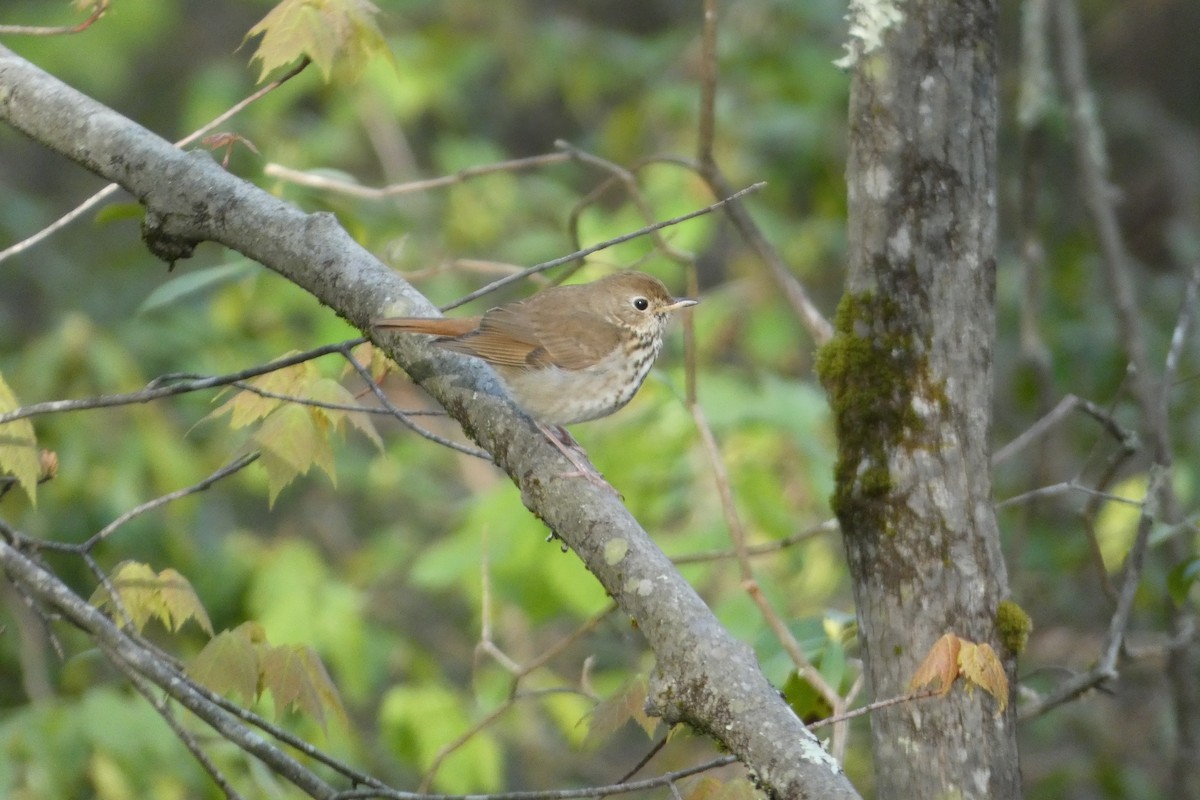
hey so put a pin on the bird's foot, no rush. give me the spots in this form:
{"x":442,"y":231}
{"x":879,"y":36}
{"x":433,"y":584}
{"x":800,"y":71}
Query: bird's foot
{"x":566,"y":444}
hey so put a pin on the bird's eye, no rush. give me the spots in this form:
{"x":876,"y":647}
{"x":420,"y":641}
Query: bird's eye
{"x":641,"y":303}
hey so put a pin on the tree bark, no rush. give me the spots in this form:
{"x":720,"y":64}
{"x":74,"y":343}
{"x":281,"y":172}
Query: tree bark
{"x":909,"y":373}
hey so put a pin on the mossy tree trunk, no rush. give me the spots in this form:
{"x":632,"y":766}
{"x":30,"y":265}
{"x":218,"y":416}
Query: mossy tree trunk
{"x":909,"y":373}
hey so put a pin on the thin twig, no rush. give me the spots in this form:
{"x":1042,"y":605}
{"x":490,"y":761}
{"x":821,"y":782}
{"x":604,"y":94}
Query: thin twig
{"x":655,"y":749}
{"x":628,"y":179}
{"x":1183,"y":325}
{"x":328,"y":184}
{"x":765,"y":548}
{"x":750,"y":584}
{"x":400,"y":415}
{"x":173,"y":384}
{"x":587,"y":251}
{"x":98,"y":9}
{"x":1064,"y":487}
{"x":871,"y":707}
{"x":819,"y":328}
{"x":353,"y":408}
{"x":185,"y":736}
{"x":483,"y":723}
{"x":665,"y":779}
{"x":709,"y":70}
{"x":1098,"y":198}
{"x":1056,"y":415}
{"x":1106,"y":665}
{"x":224,"y":472}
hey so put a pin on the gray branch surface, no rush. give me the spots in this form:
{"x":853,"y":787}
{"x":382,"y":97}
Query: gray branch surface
{"x":703,"y":677}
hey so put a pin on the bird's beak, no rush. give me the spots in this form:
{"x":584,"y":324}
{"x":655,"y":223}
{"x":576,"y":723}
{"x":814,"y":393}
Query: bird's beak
{"x":681,"y":302}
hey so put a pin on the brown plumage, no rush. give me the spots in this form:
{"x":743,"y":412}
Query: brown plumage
{"x":567,"y":354}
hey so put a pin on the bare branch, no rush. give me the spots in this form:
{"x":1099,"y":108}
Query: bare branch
{"x":628,"y":179}
{"x":1106,"y":665}
{"x":185,"y":736}
{"x":98,"y":9}
{"x":750,"y":584}
{"x":403,"y":416}
{"x":329,"y":184}
{"x":666,"y":779}
{"x":1125,"y":437}
{"x":765,"y":548}
{"x":234,"y":466}
{"x":587,"y":251}
{"x":172,"y":384}
{"x":806,"y":310}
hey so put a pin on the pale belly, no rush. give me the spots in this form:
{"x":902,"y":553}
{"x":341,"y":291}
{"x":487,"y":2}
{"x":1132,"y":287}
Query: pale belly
{"x":557,"y":396}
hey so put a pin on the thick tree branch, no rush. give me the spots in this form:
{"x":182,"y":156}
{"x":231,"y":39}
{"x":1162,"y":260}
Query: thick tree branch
{"x":703,"y":676}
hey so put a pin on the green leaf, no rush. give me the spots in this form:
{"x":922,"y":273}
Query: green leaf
{"x":421,"y":720}
{"x":805,"y":700}
{"x":295,"y":436}
{"x":247,"y":407}
{"x":117,"y":212}
{"x":136,"y":587}
{"x":291,"y":444}
{"x":1182,"y":577}
{"x":709,"y":788}
{"x":230,"y":662}
{"x":193,"y":283}
{"x":18,"y":446}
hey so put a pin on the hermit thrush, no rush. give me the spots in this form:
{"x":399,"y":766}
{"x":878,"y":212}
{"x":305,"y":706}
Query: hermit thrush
{"x":567,"y":354}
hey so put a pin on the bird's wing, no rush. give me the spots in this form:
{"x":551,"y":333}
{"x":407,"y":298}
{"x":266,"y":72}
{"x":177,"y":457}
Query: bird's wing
{"x":587,"y":338}
{"x":504,"y":337}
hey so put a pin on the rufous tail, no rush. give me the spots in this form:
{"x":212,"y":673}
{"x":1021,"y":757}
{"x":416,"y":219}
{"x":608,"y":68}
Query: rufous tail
{"x":434,"y":326}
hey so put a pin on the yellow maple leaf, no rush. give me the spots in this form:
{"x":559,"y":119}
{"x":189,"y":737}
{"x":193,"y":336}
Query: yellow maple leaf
{"x":371,"y":357}
{"x":337,"y":35}
{"x":19,"y":454}
{"x":297,"y":679}
{"x":611,"y":714}
{"x":145,"y":595}
{"x":980,"y":666}
{"x":180,"y":603}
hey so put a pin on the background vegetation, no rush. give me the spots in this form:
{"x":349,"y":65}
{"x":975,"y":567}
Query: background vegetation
{"x":415,"y":573}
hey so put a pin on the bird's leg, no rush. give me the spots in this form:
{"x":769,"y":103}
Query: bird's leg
{"x":561,"y":438}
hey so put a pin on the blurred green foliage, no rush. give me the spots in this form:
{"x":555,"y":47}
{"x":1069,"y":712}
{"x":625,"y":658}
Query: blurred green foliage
{"x":393,"y":574}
